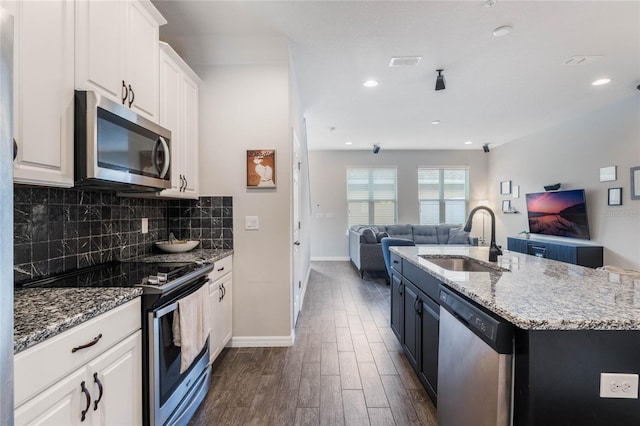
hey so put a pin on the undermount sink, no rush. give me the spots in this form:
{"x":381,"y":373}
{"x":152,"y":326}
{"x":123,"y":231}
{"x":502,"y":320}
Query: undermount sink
{"x":461,"y":264}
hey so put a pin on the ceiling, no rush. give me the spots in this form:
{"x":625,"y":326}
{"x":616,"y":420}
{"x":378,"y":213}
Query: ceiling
{"x":498,"y":89}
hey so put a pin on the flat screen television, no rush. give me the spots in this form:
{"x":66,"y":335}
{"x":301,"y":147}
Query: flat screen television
{"x":560,"y":213}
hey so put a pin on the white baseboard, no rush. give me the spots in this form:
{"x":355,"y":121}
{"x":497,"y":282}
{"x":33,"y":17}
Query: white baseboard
{"x":261,"y":341}
{"x":330,"y":259}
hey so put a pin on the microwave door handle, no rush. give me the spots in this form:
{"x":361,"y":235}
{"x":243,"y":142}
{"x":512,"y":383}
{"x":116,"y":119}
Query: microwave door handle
{"x":154,"y":155}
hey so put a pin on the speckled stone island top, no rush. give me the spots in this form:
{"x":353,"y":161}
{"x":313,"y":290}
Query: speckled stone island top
{"x":40,"y":313}
{"x":539,"y":294}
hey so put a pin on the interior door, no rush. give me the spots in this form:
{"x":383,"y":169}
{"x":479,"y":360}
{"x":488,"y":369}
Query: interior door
{"x":297,"y":269}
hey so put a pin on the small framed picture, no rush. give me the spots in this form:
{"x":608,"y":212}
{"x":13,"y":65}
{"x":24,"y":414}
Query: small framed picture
{"x":505,"y":187}
{"x":608,"y":174}
{"x":506,"y":205}
{"x":261,"y":168}
{"x":516,"y":191}
{"x":615,"y":197}
{"x":635,"y":183}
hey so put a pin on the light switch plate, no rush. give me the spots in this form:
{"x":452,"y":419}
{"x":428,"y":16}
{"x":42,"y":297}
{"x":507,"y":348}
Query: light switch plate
{"x":144,"y":227}
{"x":251,"y":222}
{"x":617,"y":385}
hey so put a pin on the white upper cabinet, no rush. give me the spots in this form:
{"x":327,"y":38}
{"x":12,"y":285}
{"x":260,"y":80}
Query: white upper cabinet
{"x":43,"y":91}
{"x":179,"y":113}
{"x":117,"y":54}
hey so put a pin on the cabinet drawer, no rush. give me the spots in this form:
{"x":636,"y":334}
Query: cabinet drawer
{"x":421,"y":279}
{"x":396,"y":262}
{"x":42,"y":365}
{"x":221,"y":268}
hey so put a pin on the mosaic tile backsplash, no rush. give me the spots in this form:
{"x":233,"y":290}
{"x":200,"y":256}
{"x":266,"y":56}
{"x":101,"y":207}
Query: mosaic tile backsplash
{"x":58,"y":230}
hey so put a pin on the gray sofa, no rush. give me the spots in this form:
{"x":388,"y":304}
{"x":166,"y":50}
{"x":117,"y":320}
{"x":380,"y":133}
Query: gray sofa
{"x":365,"y":250}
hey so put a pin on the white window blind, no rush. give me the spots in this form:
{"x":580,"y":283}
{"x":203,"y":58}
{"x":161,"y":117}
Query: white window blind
{"x":371,"y":196}
{"x":443,"y":195}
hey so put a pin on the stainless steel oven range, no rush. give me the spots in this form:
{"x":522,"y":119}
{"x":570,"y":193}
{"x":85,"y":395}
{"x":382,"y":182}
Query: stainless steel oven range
{"x":169,"y":397}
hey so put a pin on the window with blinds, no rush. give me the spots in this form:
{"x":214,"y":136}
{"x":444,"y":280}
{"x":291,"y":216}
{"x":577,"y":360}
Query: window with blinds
{"x":443,"y":195}
{"x":371,"y":196}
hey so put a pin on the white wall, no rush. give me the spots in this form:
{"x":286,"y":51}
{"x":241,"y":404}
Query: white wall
{"x":572,"y":153}
{"x":247,"y":107}
{"x":329,"y":189}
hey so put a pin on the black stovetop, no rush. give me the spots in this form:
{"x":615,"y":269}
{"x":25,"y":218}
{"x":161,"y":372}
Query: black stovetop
{"x":112,"y":274}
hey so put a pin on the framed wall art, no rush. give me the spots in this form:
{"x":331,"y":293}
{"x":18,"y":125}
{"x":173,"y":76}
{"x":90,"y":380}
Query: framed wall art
{"x":635,"y":183}
{"x":608,"y":174}
{"x":615,"y":197}
{"x":261,"y":168}
{"x":505,"y":187}
{"x":506,"y":205}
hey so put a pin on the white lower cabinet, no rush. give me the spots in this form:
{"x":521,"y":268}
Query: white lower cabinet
{"x":98,"y":384}
{"x":220,"y":295}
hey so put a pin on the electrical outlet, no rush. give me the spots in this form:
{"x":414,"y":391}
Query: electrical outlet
{"x":144,"y":227}
{"x":617,"y":385}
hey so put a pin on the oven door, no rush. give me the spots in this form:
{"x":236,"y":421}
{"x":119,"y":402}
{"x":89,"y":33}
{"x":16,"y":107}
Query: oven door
{"x":173,"y":395}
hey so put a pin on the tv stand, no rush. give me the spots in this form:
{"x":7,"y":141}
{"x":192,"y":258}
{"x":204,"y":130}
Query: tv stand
{"x":583,"y":254}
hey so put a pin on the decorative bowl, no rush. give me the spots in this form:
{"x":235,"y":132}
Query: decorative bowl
{"x":178,"y":246}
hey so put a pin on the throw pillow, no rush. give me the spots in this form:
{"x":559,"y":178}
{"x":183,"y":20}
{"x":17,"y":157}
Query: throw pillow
{"x":380,"y":236}
{"x":458,"y":236}
{"x":369,"y":236}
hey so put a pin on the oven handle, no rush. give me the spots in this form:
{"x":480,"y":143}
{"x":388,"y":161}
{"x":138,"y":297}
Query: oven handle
{"x":172,"y":307}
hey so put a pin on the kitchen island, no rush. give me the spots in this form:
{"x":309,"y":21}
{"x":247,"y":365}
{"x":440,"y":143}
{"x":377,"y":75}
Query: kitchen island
{"x":571,"y":324}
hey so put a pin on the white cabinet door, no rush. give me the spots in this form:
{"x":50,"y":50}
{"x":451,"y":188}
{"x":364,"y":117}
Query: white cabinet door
{"x":170,"y":117}
{"x":61,"y":404}
{"x":179,"y":113}
{"x":215,"y":337}
{"x":119,"y":373}
{"x":227,"y":310}
{"x":190,"y":136}
{"x":43,"y":98}
{"x":117,"y":52}
{"x":100,"y":47}
{"x":142,"y":61}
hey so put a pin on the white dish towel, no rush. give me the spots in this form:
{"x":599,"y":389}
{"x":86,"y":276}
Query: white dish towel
{"x":191,"y":325}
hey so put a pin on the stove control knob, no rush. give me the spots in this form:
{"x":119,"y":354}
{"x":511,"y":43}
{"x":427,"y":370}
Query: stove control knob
{"x":153,"y":279}
{"x":163,"y":277}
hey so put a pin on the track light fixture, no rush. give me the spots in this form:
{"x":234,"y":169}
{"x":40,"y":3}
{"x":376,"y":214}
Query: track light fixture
{"x":440,"y":80}
{"x":485,"y":147}
{"x":376,"y":148}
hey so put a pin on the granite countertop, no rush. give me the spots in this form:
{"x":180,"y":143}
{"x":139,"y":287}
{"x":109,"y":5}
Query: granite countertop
{"x":211,"y":255}
{"x":41,"y":313}
{"x":539,"y":294}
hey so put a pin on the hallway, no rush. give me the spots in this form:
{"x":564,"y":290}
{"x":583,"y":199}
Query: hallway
{"x":346,"y":366}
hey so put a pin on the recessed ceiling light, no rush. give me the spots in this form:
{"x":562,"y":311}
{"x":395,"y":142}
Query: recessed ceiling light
{"x":370,"y":83}
{"x":502,"y":31}
{"x":348,"y":143}
{"x":468,"y":143}
{"x":601,"y":81}
{"x":434,"y":122}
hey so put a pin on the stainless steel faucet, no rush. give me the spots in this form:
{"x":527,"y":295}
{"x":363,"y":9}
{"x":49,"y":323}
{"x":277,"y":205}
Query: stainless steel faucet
{"x":494,"y":250}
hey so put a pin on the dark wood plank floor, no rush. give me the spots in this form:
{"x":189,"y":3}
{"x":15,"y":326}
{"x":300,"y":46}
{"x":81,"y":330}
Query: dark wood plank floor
{"x":345,"y":368}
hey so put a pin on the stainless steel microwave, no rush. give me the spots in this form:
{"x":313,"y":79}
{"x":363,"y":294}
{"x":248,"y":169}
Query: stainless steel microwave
{"x":115,"y":148}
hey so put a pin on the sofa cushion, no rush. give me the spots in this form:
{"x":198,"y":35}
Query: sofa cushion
{"x":400,"y":231}
{"x":380,"y":236}
{"x":425,"y":234}
{"x":443,"y":232}
{"x":458,"y":236}
{"x":369,"y":236}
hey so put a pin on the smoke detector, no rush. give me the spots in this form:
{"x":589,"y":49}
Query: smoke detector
{"x":404,"y":61}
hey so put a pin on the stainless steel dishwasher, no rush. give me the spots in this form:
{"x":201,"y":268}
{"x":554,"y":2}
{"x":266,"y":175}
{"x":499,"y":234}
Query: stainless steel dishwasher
{"x":475,"y":365}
